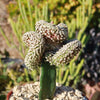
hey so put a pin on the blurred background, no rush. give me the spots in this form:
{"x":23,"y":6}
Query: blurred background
{"x":83,"y":20}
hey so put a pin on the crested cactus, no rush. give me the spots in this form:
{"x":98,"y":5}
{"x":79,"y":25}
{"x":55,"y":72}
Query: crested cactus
{"x":47,"y":46}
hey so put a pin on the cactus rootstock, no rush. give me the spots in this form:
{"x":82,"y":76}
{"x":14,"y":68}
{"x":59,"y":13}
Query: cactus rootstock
{"x":49,"y":46}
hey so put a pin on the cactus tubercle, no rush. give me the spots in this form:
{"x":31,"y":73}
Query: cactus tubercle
{"x":35,"y":42}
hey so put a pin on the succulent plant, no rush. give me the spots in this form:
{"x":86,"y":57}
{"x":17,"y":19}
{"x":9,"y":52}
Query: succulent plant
{"x":49,"y":47}
{"x":64,"y":54}
{"x":35,"y":42}
{"x":56,"y":33}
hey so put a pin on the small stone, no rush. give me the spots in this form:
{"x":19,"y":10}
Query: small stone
{"x":75,"y":98}
{"x":12,"y":98}
{"x":78,"y":93}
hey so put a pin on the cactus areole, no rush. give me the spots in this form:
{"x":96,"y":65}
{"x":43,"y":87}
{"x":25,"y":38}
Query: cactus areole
{"x":48,"y":47}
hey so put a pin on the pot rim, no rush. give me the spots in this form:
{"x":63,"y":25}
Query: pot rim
{"x":9,"y":94}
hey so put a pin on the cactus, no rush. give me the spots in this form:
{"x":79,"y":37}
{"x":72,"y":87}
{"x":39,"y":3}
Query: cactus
{"x":49,"y":47}
{"x":56,"y":33}
{"x":64,"y":54}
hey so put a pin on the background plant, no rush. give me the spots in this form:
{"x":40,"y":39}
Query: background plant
{"x":92,"y":49}
{"x":77,"y":27}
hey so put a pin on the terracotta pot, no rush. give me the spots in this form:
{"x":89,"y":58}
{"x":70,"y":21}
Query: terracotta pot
{"x":9,"y":94}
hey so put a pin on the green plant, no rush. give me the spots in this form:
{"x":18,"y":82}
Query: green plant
{"x":4,"y":80}
{"x":17,"y":77}
{"x":49,"y":48}
{"x":12,"y":77}
{"x":70,"y":74}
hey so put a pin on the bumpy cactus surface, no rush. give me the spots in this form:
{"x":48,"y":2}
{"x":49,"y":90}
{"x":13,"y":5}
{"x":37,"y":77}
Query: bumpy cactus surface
{"x":56,"y":33}
{"x":49,"y":47}
{"x":64,"y":54}
{"x":35,"y":42}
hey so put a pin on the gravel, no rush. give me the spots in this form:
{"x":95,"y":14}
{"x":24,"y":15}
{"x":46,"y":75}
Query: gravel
{"x":30,"y":91}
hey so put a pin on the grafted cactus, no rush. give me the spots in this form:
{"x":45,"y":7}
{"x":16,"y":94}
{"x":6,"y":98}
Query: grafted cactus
{"x":47,"y":46}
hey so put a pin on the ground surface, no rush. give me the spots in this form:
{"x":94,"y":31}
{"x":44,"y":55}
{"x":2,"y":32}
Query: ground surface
{"x":4,"y":24}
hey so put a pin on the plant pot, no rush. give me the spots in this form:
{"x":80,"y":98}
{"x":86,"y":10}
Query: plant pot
{"x":9,"y":94}
{"x":31,"y":90}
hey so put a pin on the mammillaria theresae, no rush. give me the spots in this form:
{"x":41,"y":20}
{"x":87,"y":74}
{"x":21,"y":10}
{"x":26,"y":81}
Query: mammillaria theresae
{"x":64,"y":54}
{"x":56,"y":33}
{"x":35,"y":42}
{"x":46,"y":47}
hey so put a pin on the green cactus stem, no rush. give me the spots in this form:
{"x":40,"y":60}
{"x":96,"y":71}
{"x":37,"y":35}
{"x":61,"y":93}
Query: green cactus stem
{"x":47,"y":81}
